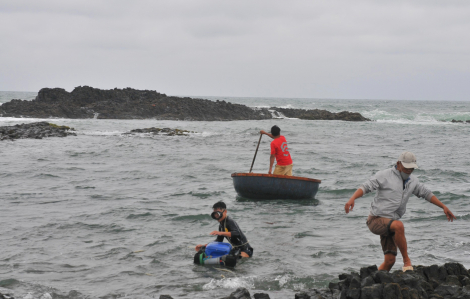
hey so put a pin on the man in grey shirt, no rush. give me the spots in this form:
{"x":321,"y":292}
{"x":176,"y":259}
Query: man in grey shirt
{"x":394,"y":187}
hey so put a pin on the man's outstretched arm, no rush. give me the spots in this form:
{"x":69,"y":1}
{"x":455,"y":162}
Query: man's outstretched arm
{"x":437,"y":202}
{"x":266,"y":133}
{"x":350,"y":204}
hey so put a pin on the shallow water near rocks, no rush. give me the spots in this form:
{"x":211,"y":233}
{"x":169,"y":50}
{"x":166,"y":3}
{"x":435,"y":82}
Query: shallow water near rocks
{"x":107,"y":215}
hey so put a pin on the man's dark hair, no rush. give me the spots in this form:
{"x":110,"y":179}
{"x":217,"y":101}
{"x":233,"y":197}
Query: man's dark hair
{"x":219,"y":204}
{"x":276,"y":131}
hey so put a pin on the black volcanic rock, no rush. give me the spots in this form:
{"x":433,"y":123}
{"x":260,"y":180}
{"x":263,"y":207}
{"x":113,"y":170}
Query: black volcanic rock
{"x":88,"y":102}
{"x":158,"y":131}
{"x":317,"y":114}
{"x":36,"y":130}
{"x":447,"y":281}
{"x":128,"y":103}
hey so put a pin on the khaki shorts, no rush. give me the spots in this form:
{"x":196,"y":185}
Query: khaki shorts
{"x":381,"y":226}
{"x":283,"y":169}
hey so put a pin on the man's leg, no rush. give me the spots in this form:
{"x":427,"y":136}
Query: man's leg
{"x":289,"y":170}
{"x":389,"y":261}
{"x":399,"y":229}
{"x":279,"y":170}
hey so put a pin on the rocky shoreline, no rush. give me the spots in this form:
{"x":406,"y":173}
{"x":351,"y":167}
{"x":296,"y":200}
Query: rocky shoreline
{"x":36,"y":130}
{"x":448,"y":281}
{"x":451,"y":280}
{"x":128,"y":103}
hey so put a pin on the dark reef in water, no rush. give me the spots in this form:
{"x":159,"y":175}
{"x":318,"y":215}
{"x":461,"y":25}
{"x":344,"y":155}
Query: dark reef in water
{"x":158,"y":131}
{"x":36,"y":130}
{"x":321,"y":114}
{"x":128,"y":103}
{"x":460,"y":121}
{"x":450,"y":281}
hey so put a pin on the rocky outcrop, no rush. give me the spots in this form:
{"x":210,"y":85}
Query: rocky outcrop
{"x":88,"y":102}
{"x":158,"y":131}
{"x":240,"y":293}
{"x":460,"y":121}
{"x":317,"y":114}
{"x":449,"y":281}
{"x":36,"y":130}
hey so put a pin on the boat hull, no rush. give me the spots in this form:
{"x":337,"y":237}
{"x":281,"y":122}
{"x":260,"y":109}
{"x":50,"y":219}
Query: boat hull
{"x":268,"y":186}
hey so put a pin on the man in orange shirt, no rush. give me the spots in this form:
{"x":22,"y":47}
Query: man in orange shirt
{"x":280,"y":152}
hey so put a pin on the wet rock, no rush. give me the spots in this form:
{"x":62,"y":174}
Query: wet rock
{"x":316,"y":294}
{"x":240,"y":293}
{"x":261,"y":296}
{"x":447,"y":281}
{"x":464,"y":280}
{"x":392,"y":291}
{"x":317,"y":114}
{"x":128,"y":103}
{"x":36,"y":130}
{"x":6,"y":296}
{"x":447,"y":290}
{"x":382,"y":277}
{"x":373,"y":292}
{"x":366,"y":271}
{"x":165,"y":297}
{"x":367,"y":282}
{"x":158,"y":131}
{"x":453,"y":280}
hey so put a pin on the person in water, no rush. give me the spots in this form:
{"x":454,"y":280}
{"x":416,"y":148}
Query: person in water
{"x":394,"y":187}
{"x":229,"y":229}
{"x":280,"y":152}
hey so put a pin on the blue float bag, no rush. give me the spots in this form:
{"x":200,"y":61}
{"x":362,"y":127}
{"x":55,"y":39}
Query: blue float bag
{"x":216,"y":249}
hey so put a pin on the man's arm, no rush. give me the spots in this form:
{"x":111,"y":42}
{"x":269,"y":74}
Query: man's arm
{"x":198,"y":247}
{"x":271,"y":163}
{"x":437,"y":202}
{"x":265,"y":133}
{"x":223,"y":234}
{"x":350,"y":204}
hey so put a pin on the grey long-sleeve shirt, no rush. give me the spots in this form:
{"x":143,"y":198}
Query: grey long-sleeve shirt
{"x":391,"y":199}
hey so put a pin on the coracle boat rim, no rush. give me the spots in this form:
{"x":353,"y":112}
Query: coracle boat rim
{"x":241,"y":174}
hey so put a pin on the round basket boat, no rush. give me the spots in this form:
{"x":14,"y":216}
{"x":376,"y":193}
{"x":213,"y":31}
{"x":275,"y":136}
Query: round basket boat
{"x":269,"y":186}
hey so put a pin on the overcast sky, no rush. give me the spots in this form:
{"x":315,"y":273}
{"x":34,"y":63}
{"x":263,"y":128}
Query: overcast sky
{"x":343,"y":49}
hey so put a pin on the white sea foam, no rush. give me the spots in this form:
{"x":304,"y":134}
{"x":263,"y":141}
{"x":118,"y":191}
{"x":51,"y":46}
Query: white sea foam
{"x":277,"y":114}
{"x":28,"y":119}
{"x":230,"y":283}
{"x":283,"y":279}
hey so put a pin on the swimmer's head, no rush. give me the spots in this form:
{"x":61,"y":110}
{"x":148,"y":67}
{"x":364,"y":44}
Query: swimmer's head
{"x":220,"y":211}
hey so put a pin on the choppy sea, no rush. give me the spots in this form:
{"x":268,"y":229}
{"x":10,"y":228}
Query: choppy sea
{"x":107,"y":215}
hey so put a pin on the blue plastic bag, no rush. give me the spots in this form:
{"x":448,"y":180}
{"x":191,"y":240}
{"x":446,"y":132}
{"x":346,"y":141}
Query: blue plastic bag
{"x":216,"y":249}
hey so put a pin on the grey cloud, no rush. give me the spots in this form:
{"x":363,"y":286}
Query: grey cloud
{"x":328,"y":49}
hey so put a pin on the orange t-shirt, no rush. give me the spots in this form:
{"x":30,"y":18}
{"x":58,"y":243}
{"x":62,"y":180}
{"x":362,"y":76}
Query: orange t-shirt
{"x":279,"y":149}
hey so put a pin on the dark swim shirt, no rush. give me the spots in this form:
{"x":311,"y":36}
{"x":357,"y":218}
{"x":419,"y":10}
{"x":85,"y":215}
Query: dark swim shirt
{"x":238,"y":239}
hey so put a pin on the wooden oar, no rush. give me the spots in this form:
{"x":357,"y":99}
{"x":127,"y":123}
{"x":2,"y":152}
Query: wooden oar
{"x":260,"y":135}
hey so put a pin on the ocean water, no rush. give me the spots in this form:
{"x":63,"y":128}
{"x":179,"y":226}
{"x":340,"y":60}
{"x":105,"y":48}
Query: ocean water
{"x":107,"y":215}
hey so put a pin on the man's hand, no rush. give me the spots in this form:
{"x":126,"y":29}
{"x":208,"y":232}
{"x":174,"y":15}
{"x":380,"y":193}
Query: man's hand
{"x":262,"y":132}
{"x":198,"y":247}
{"x":349,"y":205}
{"x":449,"y":215}
{"x":216,"y":233}
{"x":270,"y":171}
